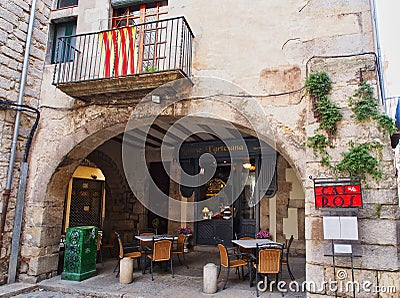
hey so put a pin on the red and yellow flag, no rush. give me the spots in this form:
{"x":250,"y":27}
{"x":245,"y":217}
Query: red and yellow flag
{"x":118,"y":52}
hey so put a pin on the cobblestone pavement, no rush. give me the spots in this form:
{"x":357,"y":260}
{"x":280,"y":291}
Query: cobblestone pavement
{"x":186,"y":283}
{"x":48,"y":294}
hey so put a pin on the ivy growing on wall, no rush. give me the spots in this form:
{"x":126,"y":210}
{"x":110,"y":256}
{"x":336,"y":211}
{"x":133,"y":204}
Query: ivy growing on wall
{"x":318,"y":85}
{"x":366,"y":108}
{"x":319,"y":143}
{"x":360,"y":159}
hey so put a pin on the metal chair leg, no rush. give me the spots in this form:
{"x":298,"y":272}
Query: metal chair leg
{"x":250,"y":276}
{"x":116,"y":268}
{"x":227,"y":276}
{"x":172,"y":269}
{"x":257,"y":284}
{"x":184,"y":261}
{"x":179,"y":259}
{"x":139,"y":262}
{"x":290,"y":272}
{"x":151,"y":269}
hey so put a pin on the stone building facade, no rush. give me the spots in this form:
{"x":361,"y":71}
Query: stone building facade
{"x":14,"y":17}
{"x":264,"y":47}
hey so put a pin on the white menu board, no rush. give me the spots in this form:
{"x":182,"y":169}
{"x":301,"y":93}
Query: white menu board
{"x":340,"y":227}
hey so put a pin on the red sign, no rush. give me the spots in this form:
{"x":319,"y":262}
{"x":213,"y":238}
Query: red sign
{"x":338,"y":196}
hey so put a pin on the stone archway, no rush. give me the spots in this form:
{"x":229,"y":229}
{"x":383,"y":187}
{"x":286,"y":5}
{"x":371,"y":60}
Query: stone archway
{"x":84,"y":130}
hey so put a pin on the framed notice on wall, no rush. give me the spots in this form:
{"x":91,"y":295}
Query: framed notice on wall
{"x":337,"y":193}
{"x":340,"y":227}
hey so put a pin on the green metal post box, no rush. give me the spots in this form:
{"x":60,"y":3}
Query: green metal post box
{"x":80,"y":253}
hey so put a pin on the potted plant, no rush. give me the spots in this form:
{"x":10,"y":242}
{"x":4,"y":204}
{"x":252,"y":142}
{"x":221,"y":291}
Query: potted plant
{"x":184,"y":230}
{"x":263,"y":234}
{"x":150,"y":68}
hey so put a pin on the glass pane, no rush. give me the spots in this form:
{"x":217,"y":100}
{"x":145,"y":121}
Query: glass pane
{"x":66,"y":3}
{"x":247,"y":197}
{"x":64,"y":47}
{"x":220,"y":206}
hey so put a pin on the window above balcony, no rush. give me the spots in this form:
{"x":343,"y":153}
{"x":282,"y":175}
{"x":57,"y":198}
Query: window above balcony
{"x":66,"y":3}
{"x":65,"y":29}
{"x":124,"y":62}
{"x":139,"y":12}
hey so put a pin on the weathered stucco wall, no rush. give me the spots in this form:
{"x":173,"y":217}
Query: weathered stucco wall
{"x":260,"y":45}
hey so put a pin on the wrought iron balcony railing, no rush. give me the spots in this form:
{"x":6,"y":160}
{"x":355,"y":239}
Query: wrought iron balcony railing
{"x":156,"y":46}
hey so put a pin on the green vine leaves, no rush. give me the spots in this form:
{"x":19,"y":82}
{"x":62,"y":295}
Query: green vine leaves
{"x":366,"y":108}
{"x":360,"y":159}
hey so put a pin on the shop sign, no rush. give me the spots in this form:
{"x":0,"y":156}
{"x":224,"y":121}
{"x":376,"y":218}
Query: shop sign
{"x":345,"y":193}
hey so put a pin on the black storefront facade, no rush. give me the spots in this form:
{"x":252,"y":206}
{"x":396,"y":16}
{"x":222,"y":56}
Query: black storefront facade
{"x":231,"y":178}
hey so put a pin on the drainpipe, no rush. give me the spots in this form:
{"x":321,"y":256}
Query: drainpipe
{"x":379,"y":53}
{"x":7,"y":191}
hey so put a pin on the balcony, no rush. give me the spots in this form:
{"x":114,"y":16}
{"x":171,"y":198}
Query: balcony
{"x":124,"y":63}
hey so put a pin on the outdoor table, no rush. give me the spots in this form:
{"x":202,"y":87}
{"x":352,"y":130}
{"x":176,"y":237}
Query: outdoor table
{"x":253,"y":242}
{"x":157,"y":237}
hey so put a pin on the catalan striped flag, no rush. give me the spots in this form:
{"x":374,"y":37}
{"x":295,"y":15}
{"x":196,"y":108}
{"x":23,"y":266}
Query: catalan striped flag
{"x":118,"y":52}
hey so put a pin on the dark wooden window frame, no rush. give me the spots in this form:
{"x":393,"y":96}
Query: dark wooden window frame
{"x":139,"y":14}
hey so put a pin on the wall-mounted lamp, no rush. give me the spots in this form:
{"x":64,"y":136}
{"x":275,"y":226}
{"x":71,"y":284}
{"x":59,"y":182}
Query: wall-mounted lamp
{"x":247,"y":165}
{"x":205,"y":212}
{"x":156,"y":98}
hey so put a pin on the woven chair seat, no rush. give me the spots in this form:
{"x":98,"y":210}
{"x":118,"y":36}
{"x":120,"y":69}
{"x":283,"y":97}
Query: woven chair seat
{"x":157,"y":259}
{"x":133,"y":255}
{"x":237,"y":263}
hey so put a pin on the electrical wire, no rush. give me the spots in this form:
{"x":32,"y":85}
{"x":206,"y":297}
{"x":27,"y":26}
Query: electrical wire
{"x":9,"y":105}
{"x":118,"y":104}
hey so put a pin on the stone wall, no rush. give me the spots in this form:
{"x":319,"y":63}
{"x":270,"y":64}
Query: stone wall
{"x":378,"y":220}
{"x":275,"y":213}
{"x":14,"y":17}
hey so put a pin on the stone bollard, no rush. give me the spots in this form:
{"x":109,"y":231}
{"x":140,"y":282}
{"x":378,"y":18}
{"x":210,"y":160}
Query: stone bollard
{"x":210,"y":276}
{"x":126,"y":271}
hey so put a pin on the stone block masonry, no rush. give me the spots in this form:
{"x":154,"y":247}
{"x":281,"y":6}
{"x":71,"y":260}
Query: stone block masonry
{"x":14,"y":17}
{"x":378,"y":231}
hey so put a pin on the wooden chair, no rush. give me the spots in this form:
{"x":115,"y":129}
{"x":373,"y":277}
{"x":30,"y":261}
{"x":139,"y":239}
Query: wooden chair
{"x":246,"y":253}
{"x":123,"y":253}
{"x":149,"y":230}
{"x":99,"y":239}
{"x":111,"y":243}
{"x":180,"y":249}
{"x":267,"y":261}
{"x":228,"y":263}
{"x":285,"y":256}
{"x":243,"y":235}
{"x":161,"y":253}
{"x":147,"y":245}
